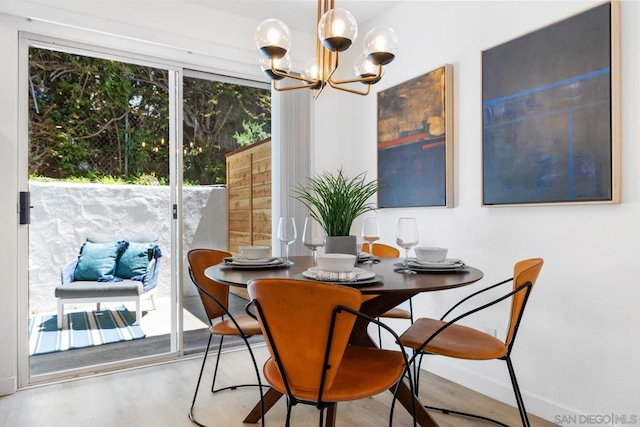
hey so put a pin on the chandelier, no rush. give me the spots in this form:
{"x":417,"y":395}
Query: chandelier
{"x":337,"y":29}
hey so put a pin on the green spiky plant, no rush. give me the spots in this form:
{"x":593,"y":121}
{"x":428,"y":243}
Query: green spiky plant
{"x":335,"y":201}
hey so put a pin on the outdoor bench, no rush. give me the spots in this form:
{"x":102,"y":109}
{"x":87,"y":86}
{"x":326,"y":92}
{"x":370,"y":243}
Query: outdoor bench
{"x":110,"y":272}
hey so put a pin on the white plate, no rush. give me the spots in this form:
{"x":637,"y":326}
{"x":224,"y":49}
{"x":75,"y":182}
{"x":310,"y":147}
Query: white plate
{"x":356,"y":274}
{"x":256,"y":262}
{"x":419,"y":267}
{"x":448,"y":263}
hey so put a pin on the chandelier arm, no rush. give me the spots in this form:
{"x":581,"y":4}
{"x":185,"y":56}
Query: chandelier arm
{"x":309,"y":84}
{"x":332,"y":66}
{"x":358,"y":79}
{"x":347,"y":89}
{"x":284,"y":89}
{"x":317,"y":92}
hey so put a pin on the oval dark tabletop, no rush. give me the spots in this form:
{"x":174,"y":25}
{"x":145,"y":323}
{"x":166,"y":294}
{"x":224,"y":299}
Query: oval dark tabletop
{"x":392,"y":281}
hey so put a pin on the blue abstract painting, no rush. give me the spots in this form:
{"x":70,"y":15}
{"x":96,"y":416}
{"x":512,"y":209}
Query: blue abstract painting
{"x":414,"y":140}
{"x":547,"y":114}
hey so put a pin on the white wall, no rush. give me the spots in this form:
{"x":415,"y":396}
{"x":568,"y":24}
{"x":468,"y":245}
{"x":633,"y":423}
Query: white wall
{"x":577,"y":352}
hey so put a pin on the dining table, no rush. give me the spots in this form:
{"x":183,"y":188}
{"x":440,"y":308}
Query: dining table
{"x":387,"y":289}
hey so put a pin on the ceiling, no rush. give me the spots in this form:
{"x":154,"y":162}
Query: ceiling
{"x":297,"y":14}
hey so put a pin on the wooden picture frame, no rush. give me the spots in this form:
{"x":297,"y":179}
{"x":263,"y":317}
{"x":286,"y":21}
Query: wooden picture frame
{"x":415,"y":142}
{"x":551,"y":113}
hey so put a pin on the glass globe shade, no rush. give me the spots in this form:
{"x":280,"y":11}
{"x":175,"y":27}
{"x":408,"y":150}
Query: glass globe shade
{"x":365,"y":68}
{"x":281,"y":64}
{"x":381,"y":45}
{"x":310,"y":70}
{"x":337,"y":30}
{"x":273,"y":38}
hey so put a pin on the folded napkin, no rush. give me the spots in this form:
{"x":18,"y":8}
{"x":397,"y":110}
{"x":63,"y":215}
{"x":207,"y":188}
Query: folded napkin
{"x":335,"y":276}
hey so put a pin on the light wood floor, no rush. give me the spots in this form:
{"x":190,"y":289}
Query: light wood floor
{"x":161,"y":395}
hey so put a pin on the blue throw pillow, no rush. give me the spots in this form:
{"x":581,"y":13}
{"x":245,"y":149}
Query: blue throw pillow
{"x":134,"y":260}
{"x":98,"y":260}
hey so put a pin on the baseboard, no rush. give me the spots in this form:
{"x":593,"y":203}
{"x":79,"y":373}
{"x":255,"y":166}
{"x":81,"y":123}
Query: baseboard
{"x":8,"y":385}
{"x":475,"y":381}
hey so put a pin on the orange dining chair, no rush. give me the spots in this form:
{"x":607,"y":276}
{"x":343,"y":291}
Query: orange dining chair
{"x":448,"y":338}
{"x":382,"y":250}
{"x":215,"y":299}
{"x":307,"y":326}
{"x":385,"y":251}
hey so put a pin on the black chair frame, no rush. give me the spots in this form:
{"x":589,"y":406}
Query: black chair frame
{"x":320,"y":404}
{"x":526,"y":287}
{"x":410,"y":319}
{"x":244,"y":337}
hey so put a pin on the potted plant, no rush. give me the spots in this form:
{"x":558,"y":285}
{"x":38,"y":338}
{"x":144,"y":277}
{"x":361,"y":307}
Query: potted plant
{"x":335,"y":201}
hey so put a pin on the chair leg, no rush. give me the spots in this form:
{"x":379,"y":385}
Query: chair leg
{"x":516,"y":390}
{"x":195,"y":394}
{"x":215,"y":370}
{"x":288,"y":420}
{"x":60,"y":313}
{"x":332,"y":410}
{"x":321,"y":417}
{"x":257,"y":371}
{"x":396,"y":390}
{"x":451,"y":411}
{"x":138,"y":312}
{"x":235,"y":386}
{"x":204,"y":360}
{"x":411,"y":309}
{"x":416,"y":373}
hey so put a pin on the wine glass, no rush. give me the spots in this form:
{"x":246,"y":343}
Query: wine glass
{"x":370,"y":234}
{"x":287,"y":234}
{"x":313,"y":237}
{"x":407,"y":238}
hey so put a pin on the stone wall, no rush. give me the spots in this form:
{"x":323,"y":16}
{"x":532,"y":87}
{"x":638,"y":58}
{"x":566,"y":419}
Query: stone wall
{"x":65,"y":214}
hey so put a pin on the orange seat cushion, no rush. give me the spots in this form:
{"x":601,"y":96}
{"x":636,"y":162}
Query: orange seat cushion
{"x":457,"y":341}
{"x":363,"y":372}
{"x":397,"y":313}
{"x":249,"y":326}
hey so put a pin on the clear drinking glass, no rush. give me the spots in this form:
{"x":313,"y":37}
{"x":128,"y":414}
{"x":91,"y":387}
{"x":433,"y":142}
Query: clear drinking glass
{"x":407,"y":237}
{"x":313,"y":237}
{"x":370,"y":234}
{"x":287,"y":234}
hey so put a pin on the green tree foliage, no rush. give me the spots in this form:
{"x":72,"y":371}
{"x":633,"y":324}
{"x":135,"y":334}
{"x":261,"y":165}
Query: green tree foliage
{"x":92,"y":118}
{"x":213,"y":113}
{"x":252,"y":132}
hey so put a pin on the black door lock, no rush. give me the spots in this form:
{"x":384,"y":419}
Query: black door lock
{"x":25,"y":207}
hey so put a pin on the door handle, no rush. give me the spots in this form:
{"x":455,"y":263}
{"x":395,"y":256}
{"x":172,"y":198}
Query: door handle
{"x":25,"y":207}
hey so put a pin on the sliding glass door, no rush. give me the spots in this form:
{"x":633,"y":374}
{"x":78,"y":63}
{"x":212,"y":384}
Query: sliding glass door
{"x":124,"y":161}
{"x":102,"y":232}
{"x":220,"y":115}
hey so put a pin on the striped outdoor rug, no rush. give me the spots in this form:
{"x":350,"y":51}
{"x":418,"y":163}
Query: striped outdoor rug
{"x":84,"y":329}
